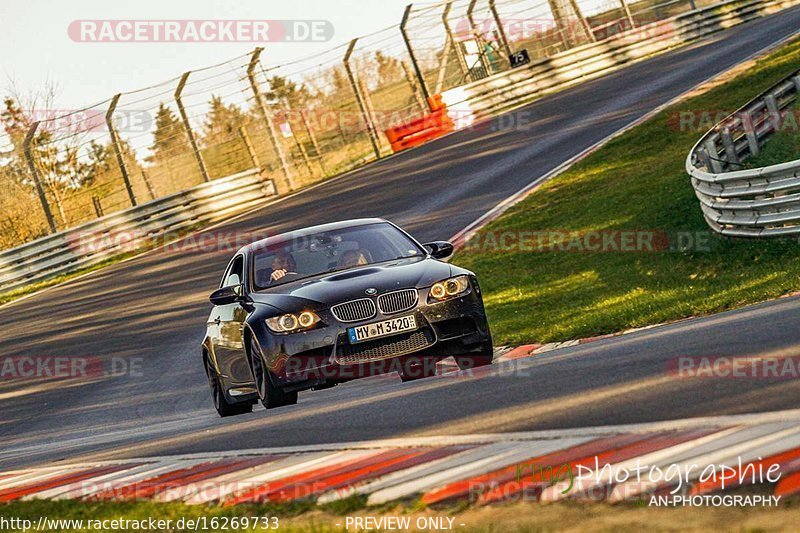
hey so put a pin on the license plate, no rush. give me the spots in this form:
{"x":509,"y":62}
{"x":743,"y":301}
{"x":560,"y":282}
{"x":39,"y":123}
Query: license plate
{"x":393,"y":326}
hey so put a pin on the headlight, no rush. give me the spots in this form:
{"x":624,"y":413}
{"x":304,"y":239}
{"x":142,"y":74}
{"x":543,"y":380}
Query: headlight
{"x":291,"y":322}
{"x":449,"y":288}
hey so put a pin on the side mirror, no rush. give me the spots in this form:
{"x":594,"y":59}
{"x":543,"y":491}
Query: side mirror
{"x":226,"y":295}
{"x":439,"y":249}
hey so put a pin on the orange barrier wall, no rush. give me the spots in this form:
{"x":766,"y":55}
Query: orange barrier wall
{"x":423,"y":129}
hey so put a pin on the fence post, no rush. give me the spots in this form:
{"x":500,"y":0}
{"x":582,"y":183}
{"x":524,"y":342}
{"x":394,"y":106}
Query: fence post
{"x":188,"y":127}
{"x":414,"y":88}
{"x":98,"y":209}
{"x":628,"y":14}
{"x":562,"y":23}
{"x":411,"y":55}
{"x":487,"y":67}
{"x":585,"y":23}
{"x":146,"y":180}
{"x":462,"y":63}
{"x":262,"y":107}
{"x":112,"y":130}
{"x":501,"y":32}
{"x":376,"y":123}
{"x":313,"y":138}
{"x":373,"y":138}
{"x":287,"y":108}
{"x":250,"y":150}
{"x":37,"y":180}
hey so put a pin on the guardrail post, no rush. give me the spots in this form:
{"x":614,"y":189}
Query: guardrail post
{"x":411,"y":55}
{"x":373,"y":138}
{"x":750,"y":133}
{"x":112,"y":130}
{"x":730,"y":148}
{"x":188,"y":127}
{"x":37,"y":180}
{"x":262,"y":107}
{"x":451,"y":40}
{"x":713,"y":156}
{"x":249,"y":146}
{"x":774,"y":112}
{"x":501,"y":32}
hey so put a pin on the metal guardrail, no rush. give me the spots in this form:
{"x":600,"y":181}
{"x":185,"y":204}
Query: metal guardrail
{"x":510,"y":89}
{"x":63,"y":252}
{"x":755,"y":202}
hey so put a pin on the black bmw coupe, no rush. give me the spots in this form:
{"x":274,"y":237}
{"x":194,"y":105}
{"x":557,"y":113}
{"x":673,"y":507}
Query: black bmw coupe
{"x":327,"y":304}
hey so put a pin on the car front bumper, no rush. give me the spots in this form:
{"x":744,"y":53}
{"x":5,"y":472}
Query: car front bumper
{"x":325,"y":355}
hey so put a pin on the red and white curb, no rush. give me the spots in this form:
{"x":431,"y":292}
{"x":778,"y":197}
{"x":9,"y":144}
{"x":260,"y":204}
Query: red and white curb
{"x":480,"y":468}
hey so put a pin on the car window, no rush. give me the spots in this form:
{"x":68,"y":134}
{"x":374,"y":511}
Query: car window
{"x":330,"y":251}
{"x":234,"y":274}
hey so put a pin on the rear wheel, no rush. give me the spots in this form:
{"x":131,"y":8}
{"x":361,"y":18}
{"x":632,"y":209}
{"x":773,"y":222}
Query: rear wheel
{"x":221,"y":404}
{"x":271,"y":396}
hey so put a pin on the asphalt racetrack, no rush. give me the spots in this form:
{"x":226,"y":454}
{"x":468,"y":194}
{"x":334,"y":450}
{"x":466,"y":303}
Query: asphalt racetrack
{"x":153,"y":309}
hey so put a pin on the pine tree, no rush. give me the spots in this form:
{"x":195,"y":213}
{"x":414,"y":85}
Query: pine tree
{"x":222,"y":122}
{"x":169,"y":138}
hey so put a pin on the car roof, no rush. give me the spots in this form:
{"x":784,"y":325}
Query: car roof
{"x":302,"y":232}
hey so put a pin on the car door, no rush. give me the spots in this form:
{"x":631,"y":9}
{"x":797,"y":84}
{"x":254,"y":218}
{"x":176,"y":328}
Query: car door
{"x":230,"y":322}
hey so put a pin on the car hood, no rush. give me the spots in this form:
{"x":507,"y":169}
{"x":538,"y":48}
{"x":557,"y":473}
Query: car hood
{"x":329,"y":289}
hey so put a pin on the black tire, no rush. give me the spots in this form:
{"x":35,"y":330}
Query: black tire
{"x":223,"y":407}
{"x":415,"y":371}
{"x":467,"y":362}
{"x":270,"y":396}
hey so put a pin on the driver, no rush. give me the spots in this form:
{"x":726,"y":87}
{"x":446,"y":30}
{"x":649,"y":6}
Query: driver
{"x":282,"y":264}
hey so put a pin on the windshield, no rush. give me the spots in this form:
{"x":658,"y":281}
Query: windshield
{"x":330,"y":251}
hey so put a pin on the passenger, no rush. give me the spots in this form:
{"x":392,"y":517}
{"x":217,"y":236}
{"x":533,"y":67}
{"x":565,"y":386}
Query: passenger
{"x":353,"y":258}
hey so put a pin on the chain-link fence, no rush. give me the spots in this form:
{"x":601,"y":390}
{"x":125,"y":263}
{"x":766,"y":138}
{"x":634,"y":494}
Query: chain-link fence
{"x":298,"y":122}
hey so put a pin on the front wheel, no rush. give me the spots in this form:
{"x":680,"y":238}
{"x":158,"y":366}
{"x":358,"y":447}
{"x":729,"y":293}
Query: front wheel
{"x":485,"y":357}
{"x":414,"y":369}
{"x":270,"y":396}
{"x":221,"y":404}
